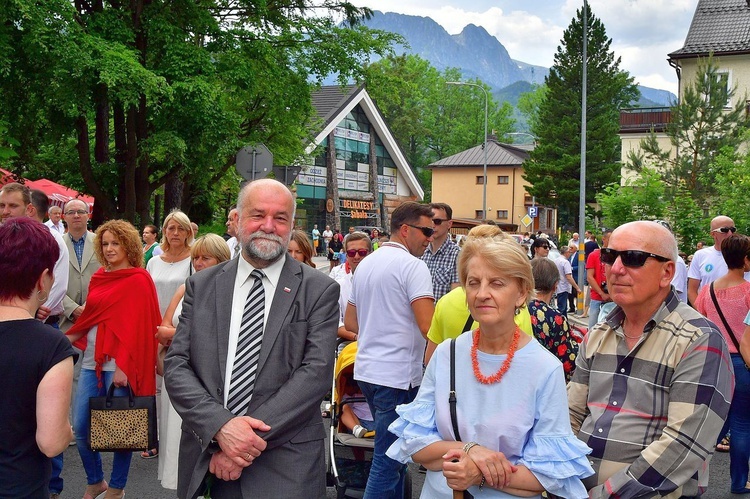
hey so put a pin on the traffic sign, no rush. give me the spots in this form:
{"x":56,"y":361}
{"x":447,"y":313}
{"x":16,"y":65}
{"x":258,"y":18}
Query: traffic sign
{"x":254,"y":162}
{"x":526,"y":220}
{"x":533,"y":211}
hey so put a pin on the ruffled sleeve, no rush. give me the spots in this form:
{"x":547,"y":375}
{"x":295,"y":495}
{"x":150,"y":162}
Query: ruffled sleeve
{"x":559,"y":463}
{"x":552,"y":453}
{"x":416,"y":427}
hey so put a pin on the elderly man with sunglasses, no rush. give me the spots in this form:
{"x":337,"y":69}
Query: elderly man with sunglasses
{"x":708,"y":264}
{"x":390,"y":309}
{"x":653,"y":382}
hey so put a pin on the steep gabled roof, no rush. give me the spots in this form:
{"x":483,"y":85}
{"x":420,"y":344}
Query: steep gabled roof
{"x":333,"y":103}
{"x":719,"y":26}
{"x":498,"y":154}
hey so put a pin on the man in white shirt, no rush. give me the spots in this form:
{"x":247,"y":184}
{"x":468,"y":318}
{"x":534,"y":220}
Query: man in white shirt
{"x":55,"y":220}
{"x":390,"y":309}
{"x":708,"y":264}
{"x":567,"y":283}
{"x":232,"y":242}
{"x":574,"y":241}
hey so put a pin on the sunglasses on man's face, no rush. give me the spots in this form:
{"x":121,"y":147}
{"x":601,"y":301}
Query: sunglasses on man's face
{"x":629,"y":258}
{"x":439,"y":221}
{"x":724,"y":230}
{"x":352,"y":253}
{"x":427,"y":231}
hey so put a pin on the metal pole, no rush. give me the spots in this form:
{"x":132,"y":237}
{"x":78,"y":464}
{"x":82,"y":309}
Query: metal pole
{"x":582,"y":198}
{"x":484,"y":146}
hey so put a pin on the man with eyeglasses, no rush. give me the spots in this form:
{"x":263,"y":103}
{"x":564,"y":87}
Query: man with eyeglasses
{"x":652,"y":385}
{"x":708,"y":264}
{"x":390,"y":309}
{"x":441,"y":255}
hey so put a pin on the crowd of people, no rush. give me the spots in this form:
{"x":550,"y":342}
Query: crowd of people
{"x":464,"y":355}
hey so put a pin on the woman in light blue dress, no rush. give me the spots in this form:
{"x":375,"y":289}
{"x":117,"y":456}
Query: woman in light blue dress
{"x":511,"y":405}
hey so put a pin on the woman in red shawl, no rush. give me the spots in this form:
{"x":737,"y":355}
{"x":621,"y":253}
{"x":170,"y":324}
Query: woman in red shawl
{"x":116,"y":333}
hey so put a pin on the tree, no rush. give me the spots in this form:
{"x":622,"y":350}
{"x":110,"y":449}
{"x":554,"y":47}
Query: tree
{"x":430,"y":119}
{"x":529,"y":104}
{"x":641,"y":198}
{"x":151,"y":92}
{"x":553,"y":169}
{"x":702,"y":124}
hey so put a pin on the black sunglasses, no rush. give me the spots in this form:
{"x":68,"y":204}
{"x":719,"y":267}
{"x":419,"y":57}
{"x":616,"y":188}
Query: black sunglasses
{"x":352,"y":253}
{"x":439,"y":221}
{"x":545,"y":246}
{"x":427,"y":231}
{"x":629,"y":258}
{"x":724,"y":230}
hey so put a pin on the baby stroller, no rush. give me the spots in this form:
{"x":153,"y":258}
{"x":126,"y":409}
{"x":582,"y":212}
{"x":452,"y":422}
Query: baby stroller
{"x":350,"y":456}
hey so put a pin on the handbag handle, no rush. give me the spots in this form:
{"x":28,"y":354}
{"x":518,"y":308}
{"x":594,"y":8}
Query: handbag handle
{"x":111,"y":394}
{"x":452,"y":393}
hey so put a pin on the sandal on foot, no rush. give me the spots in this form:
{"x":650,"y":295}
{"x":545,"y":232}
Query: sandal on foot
{"x":723,"y":446}
{"x":94,"y":491}
{"x":150,"y":454}
{"x":113,"y":493}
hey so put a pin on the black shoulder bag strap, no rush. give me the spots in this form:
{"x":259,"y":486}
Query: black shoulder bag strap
{"x":468,"y":324}
{"x":721,"y":316}
{"x":452,"y":393}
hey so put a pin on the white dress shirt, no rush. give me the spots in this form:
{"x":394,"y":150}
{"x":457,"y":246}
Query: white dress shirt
{"x":243,"y":283}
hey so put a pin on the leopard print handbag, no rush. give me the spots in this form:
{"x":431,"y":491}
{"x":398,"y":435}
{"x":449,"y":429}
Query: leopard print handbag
{"x":126,"y":423}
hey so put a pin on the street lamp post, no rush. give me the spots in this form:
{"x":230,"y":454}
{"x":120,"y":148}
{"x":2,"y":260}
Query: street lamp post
{"x":486,"y":100}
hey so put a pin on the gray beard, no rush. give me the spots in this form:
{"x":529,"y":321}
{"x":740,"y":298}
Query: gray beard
{"x":264,"y":247}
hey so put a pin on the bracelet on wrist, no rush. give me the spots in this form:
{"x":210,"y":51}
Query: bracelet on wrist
{"x":468,"y":446}
{"x":481,"y":483}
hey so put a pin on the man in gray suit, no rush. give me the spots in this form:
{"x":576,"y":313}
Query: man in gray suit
{"x":83,"y":262}
{"x":273,"y":444}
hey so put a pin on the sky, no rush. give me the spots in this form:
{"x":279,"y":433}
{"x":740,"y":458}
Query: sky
{"x":643,"y":32}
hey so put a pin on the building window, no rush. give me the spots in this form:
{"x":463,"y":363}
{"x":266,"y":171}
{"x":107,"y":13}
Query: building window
{"x":479,"y":214}
{"x":502,"y":214}
{"x":480,"y":179}
{"x":502,"y":179}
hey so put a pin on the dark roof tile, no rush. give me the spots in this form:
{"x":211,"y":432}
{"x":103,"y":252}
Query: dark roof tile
{"x":718,"y":26}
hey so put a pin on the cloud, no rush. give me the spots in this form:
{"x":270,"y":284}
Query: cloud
{"x":643,"y":31}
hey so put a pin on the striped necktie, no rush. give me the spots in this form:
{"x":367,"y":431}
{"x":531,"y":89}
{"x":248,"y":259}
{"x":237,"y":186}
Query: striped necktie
{"x":248,"y":348}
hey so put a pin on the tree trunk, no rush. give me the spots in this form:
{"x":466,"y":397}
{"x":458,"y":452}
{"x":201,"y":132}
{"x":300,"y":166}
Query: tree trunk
{"x":172,"y":194}
{"x":105,"y":208}
{"x":333,"y":218}
{"x":374,"y":186}
{"x":141,"y":187}
{"x":127,"y":203}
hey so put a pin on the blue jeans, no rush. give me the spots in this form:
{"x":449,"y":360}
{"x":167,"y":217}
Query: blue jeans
{"x":386,"y":478}
{"x":562,"y":303}
{"x":92,"y":461}
{"x":594,"y":307}
{"x":56,"y":480}
{"x":738,"y":424}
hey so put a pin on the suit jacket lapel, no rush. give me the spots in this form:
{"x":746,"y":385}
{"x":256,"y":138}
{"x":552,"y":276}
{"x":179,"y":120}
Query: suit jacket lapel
{"x":71,"y":252}
{"x":281,"y":307}
{"x":224,"y":295}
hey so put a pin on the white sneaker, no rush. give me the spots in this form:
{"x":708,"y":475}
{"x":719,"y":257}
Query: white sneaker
{"x":359,"y":431}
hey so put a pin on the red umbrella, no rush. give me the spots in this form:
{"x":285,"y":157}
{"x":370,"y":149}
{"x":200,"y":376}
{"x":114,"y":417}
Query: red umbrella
{"x":59,"y":194}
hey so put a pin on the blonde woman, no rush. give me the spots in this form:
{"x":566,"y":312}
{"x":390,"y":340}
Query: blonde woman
{"x":169,"y":270}
{"x":300,"y":248}
{"x":208,"y":250}
{"x":511,"y":411}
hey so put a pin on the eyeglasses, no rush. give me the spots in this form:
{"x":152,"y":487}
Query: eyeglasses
{"x":439,"y":221}
{"x":427,"y":231}
{"x":352,"y":253}
{"x":545,"y":246}
{"x":77,"y":212}
{"x":724,"y":230}
{"x":629,"y":258}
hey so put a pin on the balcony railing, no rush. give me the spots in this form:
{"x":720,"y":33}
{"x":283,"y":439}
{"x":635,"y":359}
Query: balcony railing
{"x":644,"y":119}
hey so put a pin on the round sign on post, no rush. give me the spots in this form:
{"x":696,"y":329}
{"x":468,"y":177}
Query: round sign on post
{"x":254,"y":162}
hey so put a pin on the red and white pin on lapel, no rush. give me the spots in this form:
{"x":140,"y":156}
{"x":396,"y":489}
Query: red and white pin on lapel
{"x":287,"y":290}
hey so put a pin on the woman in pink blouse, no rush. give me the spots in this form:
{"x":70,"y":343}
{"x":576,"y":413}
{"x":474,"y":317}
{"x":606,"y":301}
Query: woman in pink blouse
{"x":732,"y":294}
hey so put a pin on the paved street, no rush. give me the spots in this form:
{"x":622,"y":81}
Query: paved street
{"x":143,"y":483}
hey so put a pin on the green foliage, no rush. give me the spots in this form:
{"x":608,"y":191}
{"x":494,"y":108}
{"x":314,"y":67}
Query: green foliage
{"x":530,"y":102}
{"x":688,"y":222}
{"x":149,"y":91}
{"x":553,"y":170}
{"x":641,"y":198}
{"x":429,"y":118}
{"x":733,"y":182}
{"x":702,"y":124}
